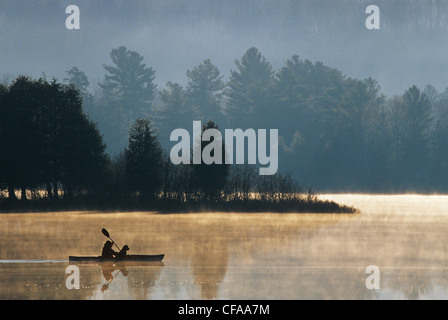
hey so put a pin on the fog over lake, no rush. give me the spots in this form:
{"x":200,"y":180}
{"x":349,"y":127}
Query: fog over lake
{"x":235,"y":256}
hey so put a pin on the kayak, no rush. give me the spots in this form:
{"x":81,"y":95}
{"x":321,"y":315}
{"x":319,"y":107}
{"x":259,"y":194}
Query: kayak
{"x":131,"y":258}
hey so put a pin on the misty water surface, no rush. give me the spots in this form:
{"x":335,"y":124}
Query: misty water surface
{"x":235,"y":255}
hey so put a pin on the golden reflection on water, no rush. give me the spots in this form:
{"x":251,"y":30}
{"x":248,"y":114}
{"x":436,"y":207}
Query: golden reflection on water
{"x":235,"y":255}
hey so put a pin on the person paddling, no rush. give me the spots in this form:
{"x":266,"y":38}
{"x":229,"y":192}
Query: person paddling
{"x":109,"y":253}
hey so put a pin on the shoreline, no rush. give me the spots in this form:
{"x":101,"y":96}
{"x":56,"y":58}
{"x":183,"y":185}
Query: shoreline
{"x":170,"y":206}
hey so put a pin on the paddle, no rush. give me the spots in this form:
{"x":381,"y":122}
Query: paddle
{"x":106,"y":233}
{"x":106,"y":285}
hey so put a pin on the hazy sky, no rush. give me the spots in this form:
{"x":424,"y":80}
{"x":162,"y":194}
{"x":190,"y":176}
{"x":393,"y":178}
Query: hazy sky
{"x":411,"y":46}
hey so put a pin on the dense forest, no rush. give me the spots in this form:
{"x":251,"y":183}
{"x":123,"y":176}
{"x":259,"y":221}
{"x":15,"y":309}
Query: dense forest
{"x":336,"y":133}
{"x":110,"y":140}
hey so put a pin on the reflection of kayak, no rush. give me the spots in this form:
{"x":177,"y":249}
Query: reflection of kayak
{"x":131,"y":258}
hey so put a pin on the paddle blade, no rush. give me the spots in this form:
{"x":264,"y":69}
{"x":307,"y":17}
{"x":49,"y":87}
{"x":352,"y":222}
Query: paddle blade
{"x":105,"y":232}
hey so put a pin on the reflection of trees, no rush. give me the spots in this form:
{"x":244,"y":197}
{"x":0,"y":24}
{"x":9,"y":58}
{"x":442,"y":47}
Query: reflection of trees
{"x":417,"y":283}
{"x":142,"y":279}
{"x":246,"y":238}
{"x":209,"y":263}
{"x":413,"y":283}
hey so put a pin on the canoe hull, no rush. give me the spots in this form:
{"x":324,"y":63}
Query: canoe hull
{"x":130,"y":258}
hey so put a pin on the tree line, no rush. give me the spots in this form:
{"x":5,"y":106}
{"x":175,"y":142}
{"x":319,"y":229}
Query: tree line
{"x":46,"y":140}
{"x":336,"y":133}
{"x":53,"y":153}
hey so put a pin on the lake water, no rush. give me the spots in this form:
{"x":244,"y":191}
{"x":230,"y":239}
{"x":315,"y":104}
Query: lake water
{"x":236,"y":255}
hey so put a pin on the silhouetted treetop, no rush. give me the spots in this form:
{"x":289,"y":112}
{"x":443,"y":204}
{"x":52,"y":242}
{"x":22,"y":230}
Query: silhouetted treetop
{"x":129,"y":83}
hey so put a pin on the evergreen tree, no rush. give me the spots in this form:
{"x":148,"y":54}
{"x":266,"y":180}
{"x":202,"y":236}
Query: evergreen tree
{"x":209,"y":179}
{"x":144,"y":160}
{"x":356,"y":114}
{"x":416,"y":141}
{"x":79,"y":79}
{"x":81,"y":82}
{"x":307,"y":99}
{"x":431,"y":93}
{"x":176,"y":112}
{"x":204,"y":91}
{"x":290,"y":94}
{"x":248,"y":91}
{"x":439,"y":164}
{"x":129,"y":83}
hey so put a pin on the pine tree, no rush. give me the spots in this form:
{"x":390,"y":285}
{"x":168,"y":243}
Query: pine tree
{"x":129,"y":83}
{"x":144,"y":160}
{"x":416,"y":142}
{"x":204,"y":91}
{"x":248,"y":91}
{"x":209,"y":179}
{"x":176,"y":112}
{"x":81,"y":82}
